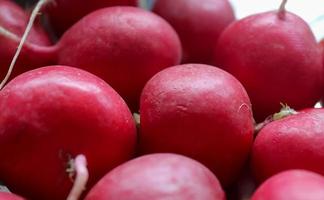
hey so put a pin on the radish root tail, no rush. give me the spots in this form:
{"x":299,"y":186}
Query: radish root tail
{"x":81,"y":177}
{"x":32,"y":18}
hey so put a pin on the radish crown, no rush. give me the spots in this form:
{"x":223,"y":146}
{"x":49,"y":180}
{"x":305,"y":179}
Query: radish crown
{"x":284,"y":112}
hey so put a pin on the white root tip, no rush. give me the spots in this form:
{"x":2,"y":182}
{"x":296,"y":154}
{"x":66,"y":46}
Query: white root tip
{"x":82,"y":176}
{"x":32,"y":18}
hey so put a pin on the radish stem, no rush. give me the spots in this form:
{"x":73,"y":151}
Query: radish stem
{"x":82,"y":175}
{"x":282,"y":9}
{"x":32,"y":18}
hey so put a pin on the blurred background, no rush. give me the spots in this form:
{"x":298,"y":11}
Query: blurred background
{"x":311,"y":11}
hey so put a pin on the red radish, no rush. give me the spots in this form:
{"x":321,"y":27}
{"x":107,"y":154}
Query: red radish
{"x":158,"y":177}
{"x":292,"y":185}
{"x":9,"y":196}
{"x":277,"y":59}
{"x":198,"y":23}
{"x":296,"y":141}
{"x":125,"y":46}
{"x":13,"y":21}
{"x":199,"y":111}
{"x":62,"y":14}
{"x":50,"y":115}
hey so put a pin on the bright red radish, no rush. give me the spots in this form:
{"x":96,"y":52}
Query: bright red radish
{"x":294,"y":142}
{"x":9,"y":196}
{"x":50,"y":115}
{"x":158,"y":177}
{"x":292,"y":185}
{"x":277,"y":59}
{"x":62,"y":14}
{"x":125,"y":46}
{"x":199,"y":111}
{"x":13,"y":21}
{"x":198,"y":23}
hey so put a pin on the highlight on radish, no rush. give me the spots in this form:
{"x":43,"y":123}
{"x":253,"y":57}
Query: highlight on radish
{"x":9,"y":196}
{"x":158,"y":177}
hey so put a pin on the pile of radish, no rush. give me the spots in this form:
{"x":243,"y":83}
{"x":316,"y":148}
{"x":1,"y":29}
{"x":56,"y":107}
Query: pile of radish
{"x":104,"y":100}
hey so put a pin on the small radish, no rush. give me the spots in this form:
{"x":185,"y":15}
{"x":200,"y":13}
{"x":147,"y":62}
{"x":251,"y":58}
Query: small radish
{"x":293,"y":142}
{"x":158,"y":177}
{"x":125,"y":46}
{"x":13,"y":21}
{"x":292,"y":185}
{"x":277,"y":59}
{"x":9,"y":196}
{"x":48,"y":117}
{"x":62,"y":14}
{"x":199,"y":111}
{"x":198,"y":23}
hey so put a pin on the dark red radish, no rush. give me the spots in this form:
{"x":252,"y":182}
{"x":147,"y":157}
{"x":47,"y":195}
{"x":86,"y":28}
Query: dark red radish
{"x":9,"y":196}
{"x":292,"y":185}
{"x":50,"y":115}
{"x":125,"y":46}
{"x":276,"y":57}
{"x":294,"y":142}
{"x":62,"y":14}
{"x":198,"y":23}
{"x":322,"y":47}
{"x":199,"y":111}
{"x":13,"y":21}
{"x":158,"y":177}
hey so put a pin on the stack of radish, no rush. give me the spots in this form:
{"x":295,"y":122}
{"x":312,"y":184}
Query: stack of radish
{"x":207,"y":88}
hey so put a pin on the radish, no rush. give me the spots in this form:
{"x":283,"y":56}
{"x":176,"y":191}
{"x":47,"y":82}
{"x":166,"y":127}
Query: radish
{"x":62,"y":14}
{"x":158,"y":177}
{"x":48,"y":117}
{"x":296,"y":141}
{"x":276,"y":57}
{"x":198,"y":23}
{"x":292,"y":185}
{"x":13,"y":21}
{"x":9,"y":196}
{"x":199,"y":111}
{"x":125,"y":46}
